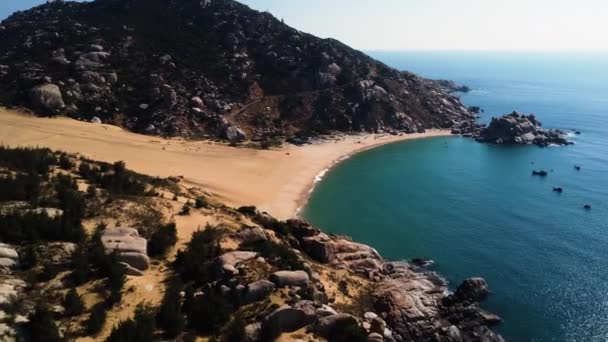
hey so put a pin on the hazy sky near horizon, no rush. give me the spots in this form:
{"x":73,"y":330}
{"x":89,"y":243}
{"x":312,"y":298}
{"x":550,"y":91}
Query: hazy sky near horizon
{"x":438,"y":24}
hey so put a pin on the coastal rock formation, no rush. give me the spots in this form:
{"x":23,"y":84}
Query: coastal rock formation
{"x":519,"y":129}
{"x":208,"y":68}
{"x":413,"y":303}
{"x":128,"y":245}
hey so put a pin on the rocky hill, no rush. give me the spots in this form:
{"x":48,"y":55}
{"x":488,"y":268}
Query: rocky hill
{"x":94,"y":250}
{"x":205,"y":68}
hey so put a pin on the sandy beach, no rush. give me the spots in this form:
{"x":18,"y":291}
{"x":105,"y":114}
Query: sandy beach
{"x":277,"y":181}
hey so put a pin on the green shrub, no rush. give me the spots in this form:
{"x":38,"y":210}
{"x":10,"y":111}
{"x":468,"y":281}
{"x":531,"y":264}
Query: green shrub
{"x":248,"y":210}
{"x":170,"y":317}
{"x":28,"y":160}
{"x":209,"y":312}
{"x":19,"y":227}
{"x":116,"y":278}
{"x":21,"y":187}
{"x":97,"y":319}
{"x":73,"y":303}
{"x":235,"y":331}
{"x":185,"y":210}
{"x":200,"y":202}
{"x":162,"y":239}
{"x":347,"y":331}
{"x":28,"y":258}
{"x":195,"y":263}
{"x":141,"y":328}
{"x":280,"y":255}
{"x":41,"y":325}
{"x":49,"y":272}
{"x":65,"y":162}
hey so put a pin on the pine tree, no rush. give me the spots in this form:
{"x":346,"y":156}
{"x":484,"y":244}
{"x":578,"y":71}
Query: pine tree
{"x":97,"y":319}
{"x":170,"y":317}
{"x":73,"y":303}
{"x":41,"y":325}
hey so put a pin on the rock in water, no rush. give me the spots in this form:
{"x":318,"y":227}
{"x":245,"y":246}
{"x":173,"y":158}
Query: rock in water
{"x":516,"y":128}
{"x":475,"y":289}
{"x":47,"y":97}
{"x":541,"y":173}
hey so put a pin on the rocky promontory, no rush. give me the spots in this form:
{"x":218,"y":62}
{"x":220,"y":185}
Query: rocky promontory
{"x":513,"y":129}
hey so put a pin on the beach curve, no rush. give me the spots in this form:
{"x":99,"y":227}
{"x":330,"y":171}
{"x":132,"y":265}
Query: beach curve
{"x":277,"y":181}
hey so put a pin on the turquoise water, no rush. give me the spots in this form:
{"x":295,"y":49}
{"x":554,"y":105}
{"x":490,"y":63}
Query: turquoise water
{"x":477,"y":211}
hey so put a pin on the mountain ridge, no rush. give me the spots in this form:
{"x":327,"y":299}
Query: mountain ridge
{"x":198,"y":68}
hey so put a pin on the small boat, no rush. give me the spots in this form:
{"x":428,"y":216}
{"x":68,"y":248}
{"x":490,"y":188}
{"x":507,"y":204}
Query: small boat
{"x":541,"y":173}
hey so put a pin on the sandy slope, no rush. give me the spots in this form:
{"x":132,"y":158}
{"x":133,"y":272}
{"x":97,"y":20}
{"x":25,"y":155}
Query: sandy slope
{"x":276,"y":181}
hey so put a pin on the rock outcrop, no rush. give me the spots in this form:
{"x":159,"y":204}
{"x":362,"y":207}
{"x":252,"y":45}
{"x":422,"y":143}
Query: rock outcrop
{"x":47,"y":98}
{"x":290,"y":278}
{"x":9,"y":259}
{"x":229,"y":261}
{"x":415,"y":304}
{"x":289,"y":318}
{"x":128,"y":245}
{"x":519,"y":129}
{"x":245,"y":75}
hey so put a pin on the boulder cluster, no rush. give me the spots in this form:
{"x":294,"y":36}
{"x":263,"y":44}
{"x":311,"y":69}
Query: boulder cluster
{"x":514,"y":129}
{"x":407,"y":304}
{"x":209,"y":68}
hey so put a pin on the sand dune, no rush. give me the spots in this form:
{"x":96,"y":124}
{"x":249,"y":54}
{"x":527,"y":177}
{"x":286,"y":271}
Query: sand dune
{"x":276,"y":181}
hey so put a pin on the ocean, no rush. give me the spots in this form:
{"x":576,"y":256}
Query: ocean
{"x":476,"y":210}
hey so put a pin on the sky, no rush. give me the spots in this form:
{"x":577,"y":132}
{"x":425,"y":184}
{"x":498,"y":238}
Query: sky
{"x":513,"y":25}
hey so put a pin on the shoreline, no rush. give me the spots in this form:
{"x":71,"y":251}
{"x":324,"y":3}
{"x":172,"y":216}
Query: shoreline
{"x":278,"y":181}
{"x":306,"y":193}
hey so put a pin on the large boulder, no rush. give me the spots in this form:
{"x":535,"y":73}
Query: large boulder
{"x":328,"y":326}
{"x":375,"y":337}
{"x":128,"y":245}
{"x":290,"y":278}
{"x":92,"y":60}
{"x":409,"y":304}
{"x":7,"y":251}
{"x":258,"y":290}
{"x":288,"y":319}
{"x":229,"y":261}
{"x":235,"y":134}
{"x":252,"y":234}
{"x":47,"y":97}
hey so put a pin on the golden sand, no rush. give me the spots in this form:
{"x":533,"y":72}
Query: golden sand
{"x":277,"y":181}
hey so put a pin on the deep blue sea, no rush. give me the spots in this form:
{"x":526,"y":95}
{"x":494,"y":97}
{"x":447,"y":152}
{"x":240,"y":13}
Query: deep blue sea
{"x":476,"y":209}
